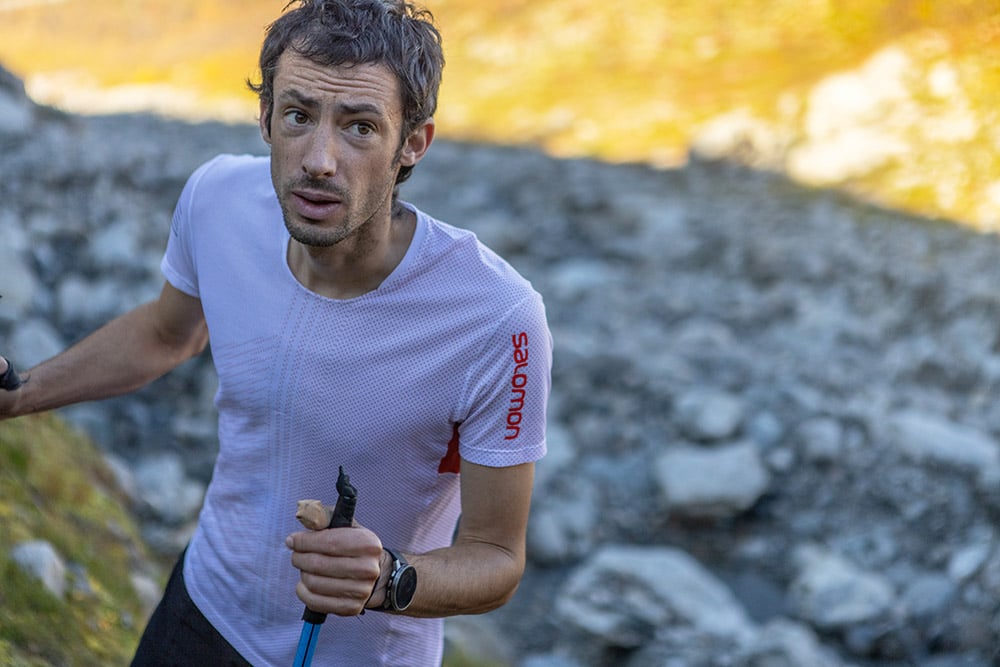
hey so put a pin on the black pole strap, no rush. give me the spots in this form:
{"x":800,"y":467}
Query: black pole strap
{"x":10,"y":380}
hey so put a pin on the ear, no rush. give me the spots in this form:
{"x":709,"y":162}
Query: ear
{"x":417,"y":144}
{"x":263,"y":121}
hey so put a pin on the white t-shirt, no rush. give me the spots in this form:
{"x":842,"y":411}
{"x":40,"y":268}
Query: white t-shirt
{"x":450,"y":355}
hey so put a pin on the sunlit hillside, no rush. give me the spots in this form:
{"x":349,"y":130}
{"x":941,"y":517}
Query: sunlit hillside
{"x":618,"y":81}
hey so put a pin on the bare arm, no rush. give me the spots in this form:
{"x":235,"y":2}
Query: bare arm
{"x":476,"y":574}
{"x":482,"y":569}
{"x":123,"y":355}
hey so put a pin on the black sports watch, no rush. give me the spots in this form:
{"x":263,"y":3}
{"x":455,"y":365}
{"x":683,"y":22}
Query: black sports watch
{"x":402,"y":583}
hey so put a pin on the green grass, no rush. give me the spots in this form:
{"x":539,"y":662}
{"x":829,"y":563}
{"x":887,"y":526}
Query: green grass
{"x":54,"y":486}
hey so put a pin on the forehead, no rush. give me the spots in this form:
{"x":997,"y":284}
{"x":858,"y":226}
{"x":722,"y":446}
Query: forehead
{"x":370,"y":83}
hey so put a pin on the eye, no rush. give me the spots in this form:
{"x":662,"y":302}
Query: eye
{"x":362,"y":128}
{"x":295,"y":118}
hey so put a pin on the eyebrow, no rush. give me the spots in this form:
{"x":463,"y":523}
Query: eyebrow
{"x":359,"y":108}
{"x":343,"y":108}
{"x":299,"y":98}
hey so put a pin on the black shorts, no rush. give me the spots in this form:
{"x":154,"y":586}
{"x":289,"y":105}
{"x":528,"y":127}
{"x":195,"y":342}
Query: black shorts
{"x":179,"y":635}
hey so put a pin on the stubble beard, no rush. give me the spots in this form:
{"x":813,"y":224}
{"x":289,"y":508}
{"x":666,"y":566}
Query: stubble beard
{"x":311,"y":233}
{"x":315,"y":235}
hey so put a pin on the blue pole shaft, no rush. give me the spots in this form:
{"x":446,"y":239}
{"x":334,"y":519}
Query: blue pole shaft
{"x":307,"y":644}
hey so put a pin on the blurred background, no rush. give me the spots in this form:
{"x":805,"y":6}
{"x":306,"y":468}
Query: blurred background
{"x":895,"y":100}
{"x":761,"y":329}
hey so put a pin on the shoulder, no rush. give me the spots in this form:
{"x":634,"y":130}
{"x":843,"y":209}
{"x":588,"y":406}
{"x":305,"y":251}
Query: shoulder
{"x":226,"y":187}
{"x":470,"y":260}
{"x":227,"y":181}
{"x":481,"y":290}
{"x":233,"y":170}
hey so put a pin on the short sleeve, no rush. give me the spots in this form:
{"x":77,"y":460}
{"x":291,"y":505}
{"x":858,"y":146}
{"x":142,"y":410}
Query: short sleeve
{"x":178,"y":264}
{"x":508,"y":391}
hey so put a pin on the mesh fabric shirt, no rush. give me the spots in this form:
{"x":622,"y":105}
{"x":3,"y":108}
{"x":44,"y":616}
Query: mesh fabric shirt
{"x":450,"y":357}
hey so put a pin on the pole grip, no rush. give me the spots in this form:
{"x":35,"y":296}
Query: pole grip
{"x":347,"y":501}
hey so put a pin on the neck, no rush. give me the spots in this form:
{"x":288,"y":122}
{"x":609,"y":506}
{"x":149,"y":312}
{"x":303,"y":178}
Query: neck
{"x":357,"y":265}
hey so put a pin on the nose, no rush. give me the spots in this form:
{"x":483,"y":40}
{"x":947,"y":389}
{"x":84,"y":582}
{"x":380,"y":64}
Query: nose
{"x":320,"y":159}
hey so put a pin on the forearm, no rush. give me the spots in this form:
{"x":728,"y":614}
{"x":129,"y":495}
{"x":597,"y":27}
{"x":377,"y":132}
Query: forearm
{"x":481,"y":570}
{"x":468,"y":578}
{"x":122,"y":356}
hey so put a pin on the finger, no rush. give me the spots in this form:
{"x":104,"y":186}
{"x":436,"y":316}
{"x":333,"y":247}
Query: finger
{"x":316,"y":541}
{"x":357,"y":541}
{"x":323,"y":565}
{"x":339,"y":605}
{"x":354,"y":585}
{"x":336,"y":567}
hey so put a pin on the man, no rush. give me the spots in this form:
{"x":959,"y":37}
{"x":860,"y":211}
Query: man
{"x":361,"y":332}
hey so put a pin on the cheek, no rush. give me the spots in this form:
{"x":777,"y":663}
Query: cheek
{"x":277,"y":172}
{"x":282,"y":163}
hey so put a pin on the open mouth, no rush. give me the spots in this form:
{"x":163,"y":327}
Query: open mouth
{"x":313,"y":205}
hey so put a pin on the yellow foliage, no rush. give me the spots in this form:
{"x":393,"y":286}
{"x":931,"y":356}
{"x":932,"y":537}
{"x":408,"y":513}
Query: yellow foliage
{"x":584,"y":78}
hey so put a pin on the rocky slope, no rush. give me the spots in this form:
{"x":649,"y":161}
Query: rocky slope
{"x":773,"y":433}
{"x":77,"y":581}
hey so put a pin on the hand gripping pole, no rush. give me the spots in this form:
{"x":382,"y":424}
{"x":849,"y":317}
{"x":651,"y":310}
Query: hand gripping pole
{"x":342,"y":516}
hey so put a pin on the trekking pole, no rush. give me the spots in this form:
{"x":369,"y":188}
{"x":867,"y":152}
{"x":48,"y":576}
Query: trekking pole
{"x":10,"y":380}
{"x":342,"y":516}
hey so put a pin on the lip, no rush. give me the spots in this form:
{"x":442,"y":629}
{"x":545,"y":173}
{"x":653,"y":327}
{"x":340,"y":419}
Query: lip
{"x":314,"y":204}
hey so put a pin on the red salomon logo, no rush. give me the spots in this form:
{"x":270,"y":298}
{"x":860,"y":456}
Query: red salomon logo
{"x":518,"y":381}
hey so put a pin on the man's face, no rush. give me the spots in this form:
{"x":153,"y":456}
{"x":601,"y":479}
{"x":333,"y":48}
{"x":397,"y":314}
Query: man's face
{"x":335,"y":146}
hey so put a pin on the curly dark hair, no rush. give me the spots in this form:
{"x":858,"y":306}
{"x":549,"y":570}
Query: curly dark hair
{"x":394,"y":33}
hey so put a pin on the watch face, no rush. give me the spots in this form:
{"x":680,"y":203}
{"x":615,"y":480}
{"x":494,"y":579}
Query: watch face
{"x":406,"y":586}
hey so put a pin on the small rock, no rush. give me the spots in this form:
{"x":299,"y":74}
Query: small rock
{"x":966,"y":560}
{"x":821,"y":439}
{"x":40,"y":559}
{"x":925,"y":437}
{"x":559,"y":454}
{"x":562,"y":524}
{"x":928,"y":596}
{"x":148,"y":590}
{"x":81,"y":300}
{"x":711,"y":482}
{"x":19,"y":285}
{"x":117,"y":245}
{"x":549,"y":660}
{"x":785,"y":643}
{"x":832,"y":593}
{"x":708,"y":415}
{"x":33,"y":341}
{"x":622,"y":594}
{"x":163,"y":485}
